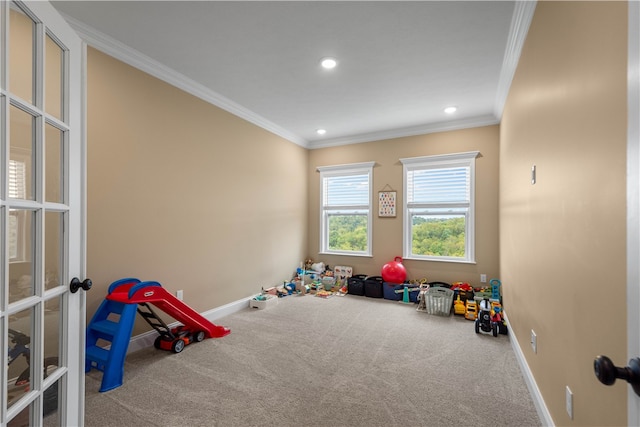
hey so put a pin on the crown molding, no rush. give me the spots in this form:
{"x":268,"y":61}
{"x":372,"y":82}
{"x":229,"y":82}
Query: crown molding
{"x":150,"y":66}
{"x":467,"y":123}
{"x":520,"y":22}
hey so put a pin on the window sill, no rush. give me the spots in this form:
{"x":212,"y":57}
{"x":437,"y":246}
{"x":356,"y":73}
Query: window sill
{"x":345,"y":254}
{"x":455,"y":261}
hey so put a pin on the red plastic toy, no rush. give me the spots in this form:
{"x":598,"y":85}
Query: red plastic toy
{"x":394,"y":271}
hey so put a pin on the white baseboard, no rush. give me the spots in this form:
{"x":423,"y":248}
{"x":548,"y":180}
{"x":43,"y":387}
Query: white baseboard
{"x":146,"y":339}
{"x":538,"y":401}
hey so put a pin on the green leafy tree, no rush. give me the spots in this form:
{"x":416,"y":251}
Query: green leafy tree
{"x":348,"y":232}
{"x":439,"y":236}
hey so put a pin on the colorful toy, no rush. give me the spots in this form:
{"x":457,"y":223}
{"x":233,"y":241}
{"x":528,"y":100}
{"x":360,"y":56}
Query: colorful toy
{"x":180,"y":338}
{"x":21,"y":385}
{"x":422,"y":297}
{"x":471,"y":312}
{"x":459,"y":306}
{"x":495,"y":289}
{"x":394,"y":271}
{"x":125,"y":298}
{"x":496,"y":317}
{"x":405,"y":293}
{"x":487,"y":320}
{"x":462,"y":286}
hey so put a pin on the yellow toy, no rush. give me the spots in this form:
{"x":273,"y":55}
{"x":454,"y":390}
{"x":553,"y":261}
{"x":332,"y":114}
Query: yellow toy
{"x":471,"y":310}
{"x":459,"y":306}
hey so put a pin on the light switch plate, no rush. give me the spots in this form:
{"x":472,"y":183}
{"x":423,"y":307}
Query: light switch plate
{"x":533,"y":174}
{"x":534,"y":341}
{"x":569,"y":403}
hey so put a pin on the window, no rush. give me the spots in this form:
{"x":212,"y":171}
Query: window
{"x":345,"y":209}
{"x":17,"y":179}
{"x":439,"y":207}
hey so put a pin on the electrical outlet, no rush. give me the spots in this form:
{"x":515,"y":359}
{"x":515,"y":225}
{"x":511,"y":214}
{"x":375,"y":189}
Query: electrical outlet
{"x":569,"y":399}
{"x":534,"y":341}
{"x":180,"y":294}
{"x":483,"y":278}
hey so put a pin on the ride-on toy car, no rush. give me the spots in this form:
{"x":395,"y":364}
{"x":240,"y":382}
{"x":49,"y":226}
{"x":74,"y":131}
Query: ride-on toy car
{"x":486,"y":321}
{"x":179,"y":338}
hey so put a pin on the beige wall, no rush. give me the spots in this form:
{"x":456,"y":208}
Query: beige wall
{"x":184,"y":193}
{"x":562,"y":240}
{"x":163,"y":204}
{"x":387,"y":232}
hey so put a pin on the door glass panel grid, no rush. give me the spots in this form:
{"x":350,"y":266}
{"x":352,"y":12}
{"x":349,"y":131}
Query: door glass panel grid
{"x":4,"y":45}
{"x":55,"y":78}
{"x":55,"y":160}
{"x":3,"y":148}
{"x":56,"y":251}
{"x":24,"y":374}
{"x":20,"y":358}
{"x":23,"y":254}
{"x":22,"y":52}
{"x":51,"y":121}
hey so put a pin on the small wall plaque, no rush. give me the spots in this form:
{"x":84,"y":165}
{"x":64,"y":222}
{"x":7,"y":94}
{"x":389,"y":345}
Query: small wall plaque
{"x":386,"y":203}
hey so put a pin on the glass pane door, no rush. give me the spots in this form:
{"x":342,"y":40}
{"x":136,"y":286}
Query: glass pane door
{"x":41,"y":322}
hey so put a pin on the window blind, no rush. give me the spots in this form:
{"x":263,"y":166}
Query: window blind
{"x":17,"y":180}
{"x":439,"y":185}
{"x":346,"y":190}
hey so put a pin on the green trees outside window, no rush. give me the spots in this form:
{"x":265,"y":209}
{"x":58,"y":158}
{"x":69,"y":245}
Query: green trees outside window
{"x":348,"y":232}
{"x":438,"y":236}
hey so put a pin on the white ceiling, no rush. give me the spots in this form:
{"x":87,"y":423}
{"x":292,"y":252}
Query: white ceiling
{"x":400,"y":63}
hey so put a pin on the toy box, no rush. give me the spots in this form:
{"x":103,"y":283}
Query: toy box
{"x":373,"y":287}
{"x":355,"y":284}
{"x":260,"y":304}
{"x":389,"y":291}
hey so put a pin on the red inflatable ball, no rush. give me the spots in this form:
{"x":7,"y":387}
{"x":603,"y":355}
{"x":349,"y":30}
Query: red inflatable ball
{"x":394,"y":271}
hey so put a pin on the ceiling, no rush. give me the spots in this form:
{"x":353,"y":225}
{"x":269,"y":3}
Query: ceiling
{"x":399,"y":63}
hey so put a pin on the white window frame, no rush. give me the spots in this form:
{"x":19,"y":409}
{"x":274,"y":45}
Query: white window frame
{"x":365,"y":168}
{"x":466,"y":159}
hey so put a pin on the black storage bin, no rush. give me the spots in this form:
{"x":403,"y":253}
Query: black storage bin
{"x":373,"y":287}
{"x":355,"y":284}
{"x":439,"y":285}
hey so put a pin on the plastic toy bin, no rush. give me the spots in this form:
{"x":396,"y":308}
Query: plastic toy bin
{"x":389,"y":291}
{"x":355,"y":284}
{"x":439,"y":301}
{"x":373,"y":287}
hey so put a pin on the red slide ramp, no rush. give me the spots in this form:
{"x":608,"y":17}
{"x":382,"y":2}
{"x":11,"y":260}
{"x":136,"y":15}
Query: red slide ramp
{"x":151,"y":292}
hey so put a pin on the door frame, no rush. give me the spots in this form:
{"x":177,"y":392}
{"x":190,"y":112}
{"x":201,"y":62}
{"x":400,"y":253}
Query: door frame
{"x":633,"y":201}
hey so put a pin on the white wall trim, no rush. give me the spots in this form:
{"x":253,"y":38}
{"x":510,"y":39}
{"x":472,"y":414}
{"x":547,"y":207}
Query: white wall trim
{"x":146,"y":339}
{"x":538,"y":401}
{"x":150,"y":66}
{"x":522,"y":16}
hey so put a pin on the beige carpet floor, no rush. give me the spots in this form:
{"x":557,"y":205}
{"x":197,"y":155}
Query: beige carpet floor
{"x":308,"y":361}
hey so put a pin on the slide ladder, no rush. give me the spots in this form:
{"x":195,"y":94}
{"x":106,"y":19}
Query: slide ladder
{"x":113,"y":323}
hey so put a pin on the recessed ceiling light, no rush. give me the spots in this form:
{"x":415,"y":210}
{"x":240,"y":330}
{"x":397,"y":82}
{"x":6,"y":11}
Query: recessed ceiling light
{"x":450,"y":110}
{"x":321,"y":131}
{"x":328,"y":63}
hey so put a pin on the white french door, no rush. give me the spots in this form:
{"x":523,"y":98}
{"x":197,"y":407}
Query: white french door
{"x":41,"y":217}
